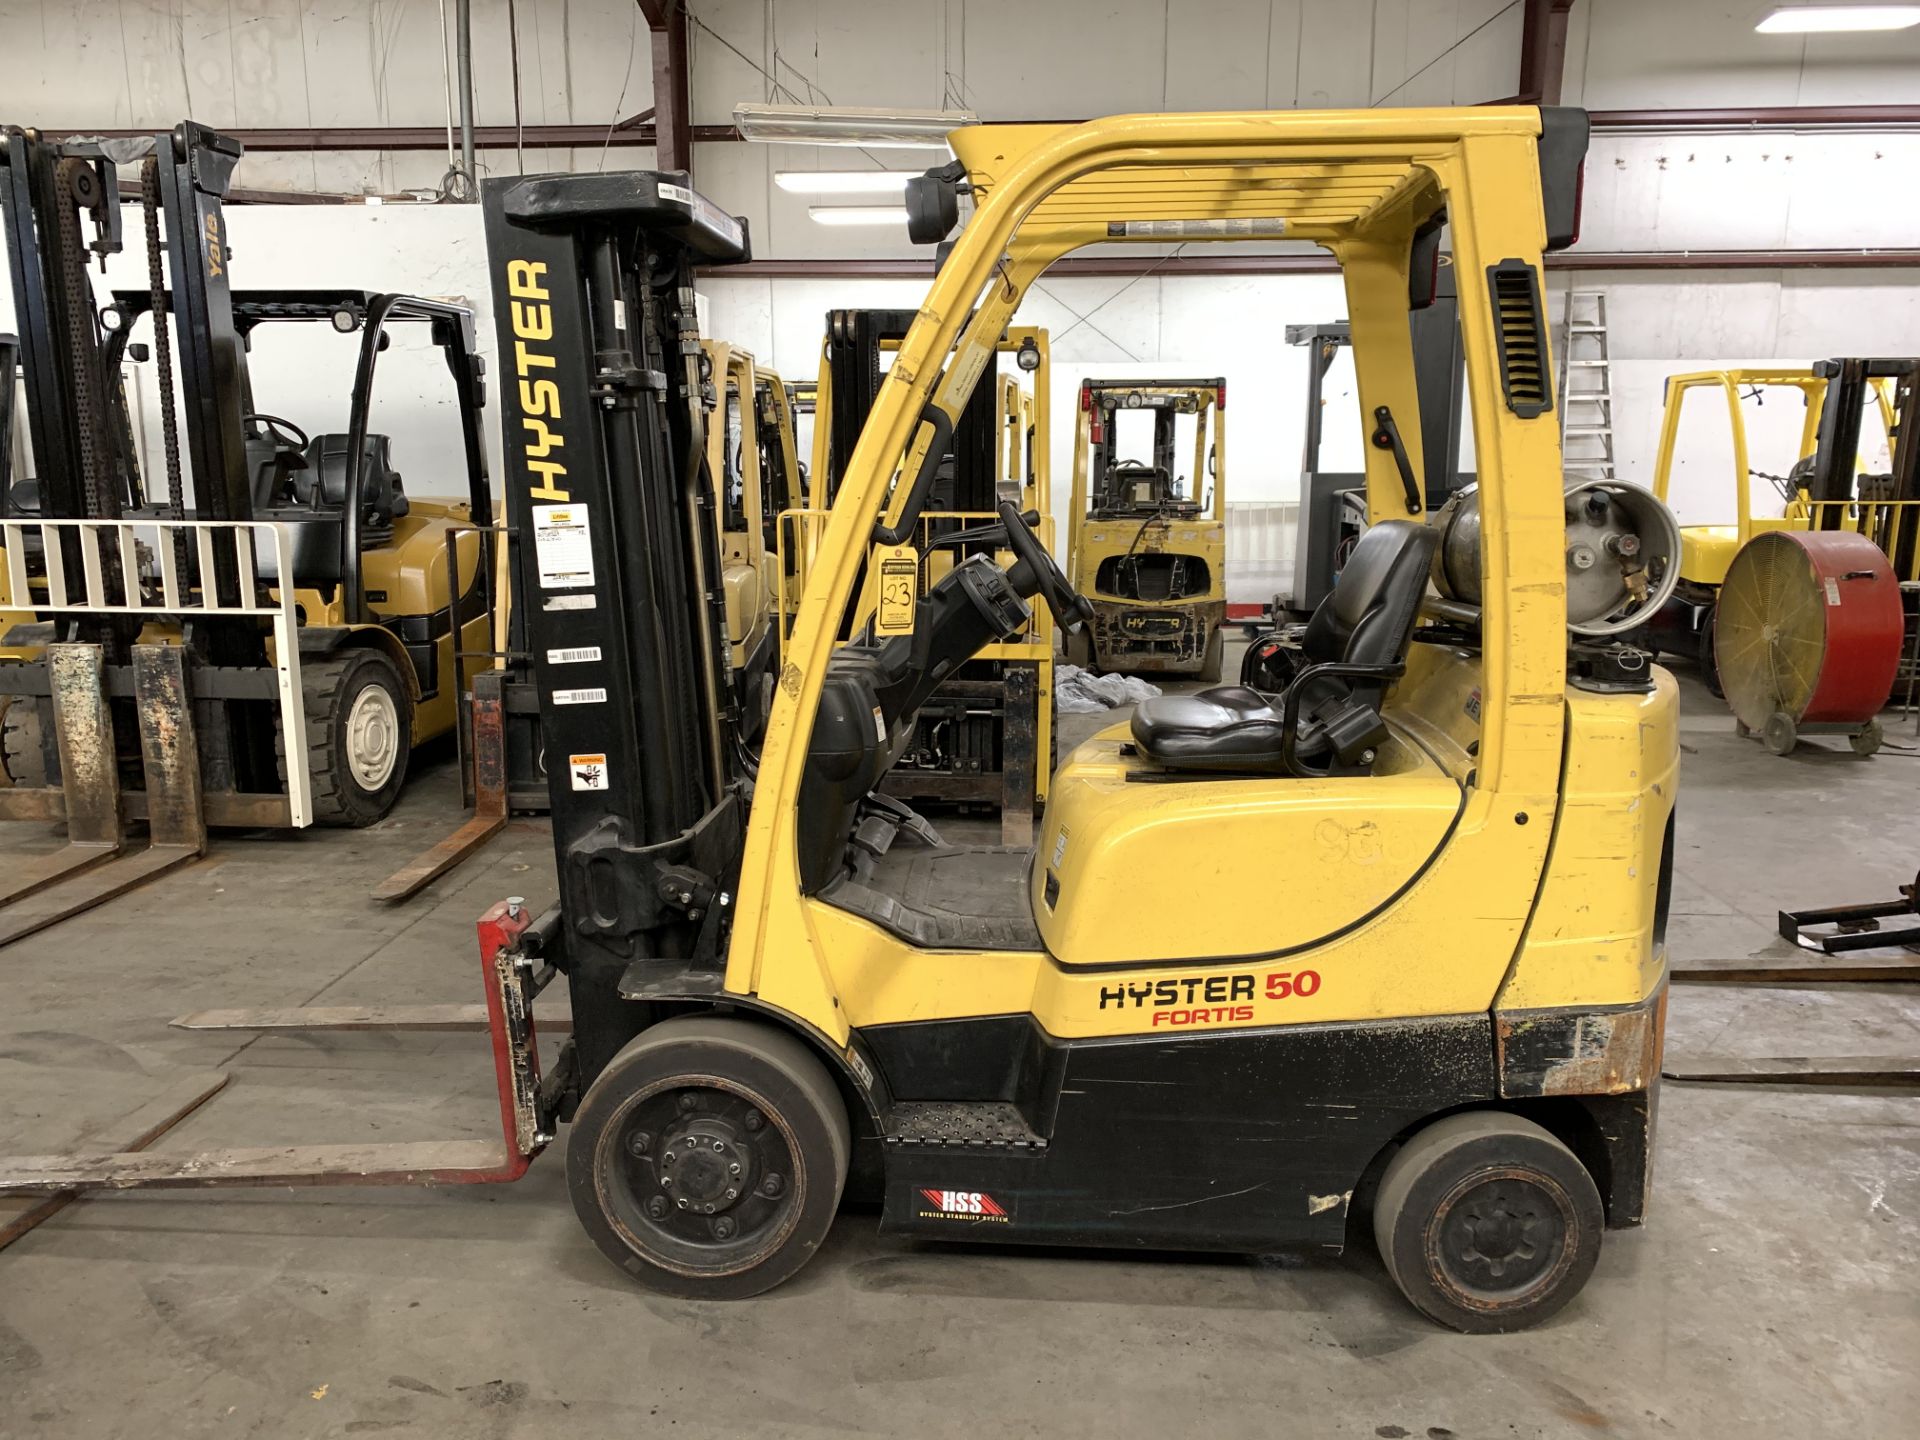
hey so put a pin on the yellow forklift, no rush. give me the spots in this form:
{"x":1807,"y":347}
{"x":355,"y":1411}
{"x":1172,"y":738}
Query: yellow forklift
{"x":1441,"y":1024}
{"x":1148,"y":547}
{"x":752,"y":455}
{"x":1685,"y":625}
{"x":264,"y":643}
{"x":986,"y":736}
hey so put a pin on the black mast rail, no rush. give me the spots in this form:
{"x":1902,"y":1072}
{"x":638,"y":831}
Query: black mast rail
{"x":610,"y":496}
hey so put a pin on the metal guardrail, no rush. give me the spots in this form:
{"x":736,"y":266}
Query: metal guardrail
{"x":172,"y":570}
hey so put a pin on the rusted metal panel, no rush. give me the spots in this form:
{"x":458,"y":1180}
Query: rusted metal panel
{"x":169,"y":756}
{"x":136,"y":1132}
{"x":83,"y":724}
{"x":238,"y":810}
{"x":1586,"y":1051}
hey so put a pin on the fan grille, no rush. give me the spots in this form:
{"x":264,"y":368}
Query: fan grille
{"x":1770,"y":637}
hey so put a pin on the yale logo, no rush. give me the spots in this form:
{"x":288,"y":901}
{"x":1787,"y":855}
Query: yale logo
{"x":539,"y":398}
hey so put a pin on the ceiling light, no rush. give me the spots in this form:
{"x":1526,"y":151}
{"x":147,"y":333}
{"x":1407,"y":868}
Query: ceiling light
{"x":1802,"y":19}
{"x":848,"y":125}
{"x":843,"y":182}
{"x":858,"y":214}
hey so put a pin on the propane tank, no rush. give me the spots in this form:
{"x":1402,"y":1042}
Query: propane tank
{"x":1623,"y":554}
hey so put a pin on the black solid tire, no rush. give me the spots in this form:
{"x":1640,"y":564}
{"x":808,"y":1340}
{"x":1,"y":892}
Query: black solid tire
{"x":1214,"y":658}
{"x":782,"y":1078}
{"x":1476,"y":1153}
{"x":329,"y":687}
{"x":23,"y":761}
{"x":1709,"y":665}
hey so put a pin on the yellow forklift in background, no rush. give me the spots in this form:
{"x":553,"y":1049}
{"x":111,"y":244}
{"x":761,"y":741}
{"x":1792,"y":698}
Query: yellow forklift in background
{"x":752,"y":454}
{"x":1685,"y":625}
{"x":987,"y":734}
{"x":1148,"y":546}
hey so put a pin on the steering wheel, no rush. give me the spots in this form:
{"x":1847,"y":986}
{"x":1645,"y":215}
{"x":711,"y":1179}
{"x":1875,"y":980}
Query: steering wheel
{"x":1036,"y":572}
{"x":279,"y":430}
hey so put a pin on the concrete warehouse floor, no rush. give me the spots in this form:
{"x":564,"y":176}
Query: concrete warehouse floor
{"x":1773,"y":1292}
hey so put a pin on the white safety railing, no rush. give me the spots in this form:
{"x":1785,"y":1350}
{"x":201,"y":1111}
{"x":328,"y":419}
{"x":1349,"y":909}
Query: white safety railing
{"x":150,"y":583}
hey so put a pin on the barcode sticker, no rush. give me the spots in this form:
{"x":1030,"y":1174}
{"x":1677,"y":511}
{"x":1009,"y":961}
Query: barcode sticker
{"x":594,"y":696}
{"x":576,"y":656}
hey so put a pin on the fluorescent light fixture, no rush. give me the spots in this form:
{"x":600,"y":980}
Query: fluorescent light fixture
{"x":1804,"y":19}
{"x":849,"y":125}
{"x":858,"y":214}
{"x":843,"y":182}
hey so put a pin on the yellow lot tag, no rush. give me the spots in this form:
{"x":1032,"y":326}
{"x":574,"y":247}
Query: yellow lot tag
{"x":899,"y":589}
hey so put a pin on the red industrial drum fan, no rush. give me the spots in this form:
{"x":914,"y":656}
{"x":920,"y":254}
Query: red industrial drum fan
{"x":1808,"y":637}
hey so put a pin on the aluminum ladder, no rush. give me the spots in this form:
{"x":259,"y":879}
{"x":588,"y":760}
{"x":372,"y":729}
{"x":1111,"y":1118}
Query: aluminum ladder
{"x":1586,"y":407}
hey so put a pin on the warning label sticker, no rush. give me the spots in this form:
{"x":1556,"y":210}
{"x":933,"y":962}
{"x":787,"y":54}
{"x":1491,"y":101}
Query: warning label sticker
{"x":562,"y":547}
{"x":589,"y":772}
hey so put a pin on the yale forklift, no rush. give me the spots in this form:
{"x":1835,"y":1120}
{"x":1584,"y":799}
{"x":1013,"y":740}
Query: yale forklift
{"x":1148,"y":547}
{"x":261,"y":643}
{"x":1442,"y":1023}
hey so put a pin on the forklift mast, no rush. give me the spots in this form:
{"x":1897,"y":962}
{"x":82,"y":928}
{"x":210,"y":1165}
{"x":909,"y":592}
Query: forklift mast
{"x":613,"y":503}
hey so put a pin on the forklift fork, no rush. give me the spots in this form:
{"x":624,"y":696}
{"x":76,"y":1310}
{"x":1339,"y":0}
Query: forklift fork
{"x":525,"y":1124}
{"x":92,"y":867}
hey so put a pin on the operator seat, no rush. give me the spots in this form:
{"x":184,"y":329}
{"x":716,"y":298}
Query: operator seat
{"x":1367,"y":619}
{"x":326,"y":474}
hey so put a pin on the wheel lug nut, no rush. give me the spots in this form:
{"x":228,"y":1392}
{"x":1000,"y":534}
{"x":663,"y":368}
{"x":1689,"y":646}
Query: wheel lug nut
{"x":639,"y":1143}
{"x":657,"y":1207}
{"x":723,"y":1228}
{"x":683,"y":1202}
{"x":755,"y":1120}
{"x":734,"y":1169}
{"x":709,"y":1209}
{"x":688,"y":1100}
{"x":731,"y":1194}
{"x":771,"y":1185}
{"x":667,"y":1159}
{"x":720,"y":1145}
{"x":666,"y":1182}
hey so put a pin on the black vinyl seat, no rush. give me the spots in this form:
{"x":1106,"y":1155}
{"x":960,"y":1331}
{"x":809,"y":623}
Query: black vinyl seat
{"x":1328,"y":721}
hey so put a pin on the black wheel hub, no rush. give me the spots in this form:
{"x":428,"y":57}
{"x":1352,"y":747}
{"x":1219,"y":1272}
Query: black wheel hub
{"x":698,"y":1175}
{"x":1501,"y":1236}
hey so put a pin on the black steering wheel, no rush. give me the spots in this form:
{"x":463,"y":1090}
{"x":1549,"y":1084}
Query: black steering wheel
{"x":279,"y":430}
{"x":1036,"y":572}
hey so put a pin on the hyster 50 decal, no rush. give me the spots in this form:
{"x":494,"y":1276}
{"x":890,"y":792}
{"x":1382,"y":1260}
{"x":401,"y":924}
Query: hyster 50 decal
{"x":1206,"y":999}
{"x":975,"y":1205}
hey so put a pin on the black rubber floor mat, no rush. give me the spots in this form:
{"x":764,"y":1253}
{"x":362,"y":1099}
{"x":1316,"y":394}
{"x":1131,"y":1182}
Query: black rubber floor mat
{"x":965,"y":897}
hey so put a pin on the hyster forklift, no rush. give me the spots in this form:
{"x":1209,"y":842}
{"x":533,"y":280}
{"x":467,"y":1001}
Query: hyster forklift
{"x":1148,"y":547}
{"x":1442,"y":1021}
{"x":270,"y":655}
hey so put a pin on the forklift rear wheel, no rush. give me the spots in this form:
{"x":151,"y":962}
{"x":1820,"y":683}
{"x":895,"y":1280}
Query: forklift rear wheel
{"x":708,"y":1158}
{"x":1215,"y":658}
{"x":1487,"y":1223}
{"x":359,"y":733}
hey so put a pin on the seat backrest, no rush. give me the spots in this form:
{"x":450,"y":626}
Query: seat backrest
{"x":1367,"y":618}
{"x":327,"y":457}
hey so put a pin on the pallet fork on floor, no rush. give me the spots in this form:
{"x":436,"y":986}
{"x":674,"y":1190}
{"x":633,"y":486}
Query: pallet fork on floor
{"x":510,"y":946}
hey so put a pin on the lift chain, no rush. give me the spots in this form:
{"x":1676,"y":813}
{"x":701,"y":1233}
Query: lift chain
{"x":76,"y":186}
{"x":162,"y":336}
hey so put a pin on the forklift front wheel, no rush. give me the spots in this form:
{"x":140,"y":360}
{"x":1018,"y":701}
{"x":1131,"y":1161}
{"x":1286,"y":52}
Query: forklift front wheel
{"x":1487,"y":1223}
{"x":708,"y":1158}
{"x":359,"y":733}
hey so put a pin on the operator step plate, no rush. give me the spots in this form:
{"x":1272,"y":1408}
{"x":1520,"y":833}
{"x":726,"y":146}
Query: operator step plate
{"x":978,"y":1124}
